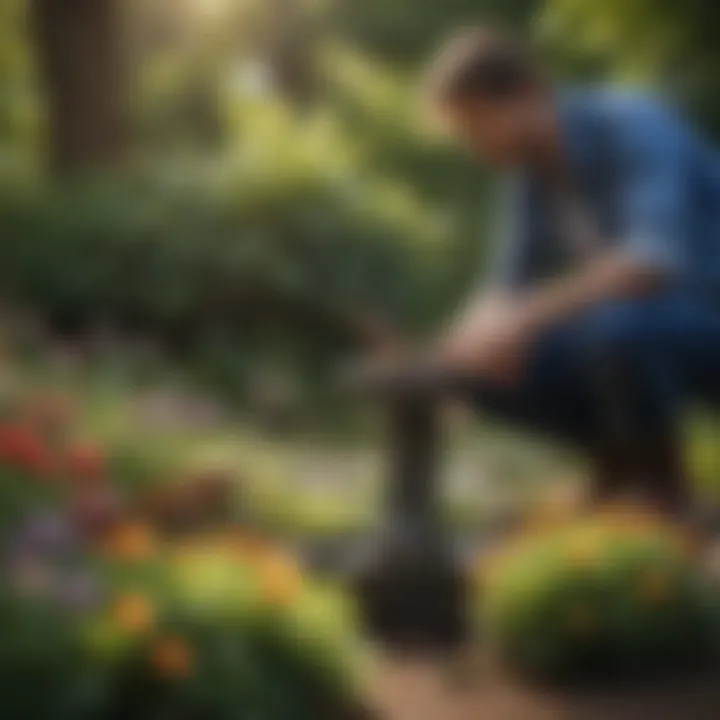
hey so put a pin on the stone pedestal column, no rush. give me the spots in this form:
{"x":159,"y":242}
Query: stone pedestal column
{"x":408,"y":581}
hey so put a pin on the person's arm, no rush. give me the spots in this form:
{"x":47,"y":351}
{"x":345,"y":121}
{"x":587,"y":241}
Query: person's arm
{"x":494,"y":331}
{"x":615,"y":275}
{"x":654,"y":217}
{"x":652,"y":250}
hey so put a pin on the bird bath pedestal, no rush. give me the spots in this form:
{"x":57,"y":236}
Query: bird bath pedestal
{"x":409,"y":583}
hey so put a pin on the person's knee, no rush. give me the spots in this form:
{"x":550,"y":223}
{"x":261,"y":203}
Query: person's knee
{"x":616,"y":332}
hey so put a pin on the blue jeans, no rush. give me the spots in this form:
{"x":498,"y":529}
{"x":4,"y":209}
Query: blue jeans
{"x":620,"y":372}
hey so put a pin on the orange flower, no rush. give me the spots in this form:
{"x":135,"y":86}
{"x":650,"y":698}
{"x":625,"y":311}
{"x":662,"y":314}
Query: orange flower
{"x":86,"y":462}
{"x":172,"y":658}
{"x":133,"y":613}
{"x":656,"y":587}
{"x":280,"y":581}
{"x":133,"y":542}
{"x":247,"y":547}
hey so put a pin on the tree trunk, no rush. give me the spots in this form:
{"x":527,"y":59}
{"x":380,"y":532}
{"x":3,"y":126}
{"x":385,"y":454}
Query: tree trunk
{"x":82,"y":74}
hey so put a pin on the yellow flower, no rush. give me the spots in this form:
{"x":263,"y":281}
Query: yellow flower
{"x":133,"y":613}
{"x":280,"y":581}
{"x":172,"y":658}
{"x":585,"y":548}
{"x":132,"y":542}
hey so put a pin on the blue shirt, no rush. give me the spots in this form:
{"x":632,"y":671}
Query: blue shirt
{"x":650,"y":184}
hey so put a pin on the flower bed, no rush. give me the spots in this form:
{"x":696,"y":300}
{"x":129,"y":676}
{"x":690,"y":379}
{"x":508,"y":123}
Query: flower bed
{"x":621,"y":592}
{"x":103,"y":617}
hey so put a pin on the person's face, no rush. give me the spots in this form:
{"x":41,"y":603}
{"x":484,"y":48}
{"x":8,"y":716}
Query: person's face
{"x":501,"y":132}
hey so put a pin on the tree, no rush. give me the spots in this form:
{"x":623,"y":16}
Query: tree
{"x":81,"y":67}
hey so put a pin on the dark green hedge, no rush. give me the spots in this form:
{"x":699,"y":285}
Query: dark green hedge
{"x":224,"y":268}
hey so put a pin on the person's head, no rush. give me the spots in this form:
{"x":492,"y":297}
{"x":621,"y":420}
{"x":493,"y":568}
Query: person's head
{"x":491,"y":95}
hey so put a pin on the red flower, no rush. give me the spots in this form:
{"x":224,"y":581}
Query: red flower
{"x":24,"y":449}
{"x":86,"y":461}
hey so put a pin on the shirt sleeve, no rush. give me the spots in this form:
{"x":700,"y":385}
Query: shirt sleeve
{"x":653,"y":190}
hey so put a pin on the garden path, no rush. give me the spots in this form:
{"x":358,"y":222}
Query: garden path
{"x":416,"y":688}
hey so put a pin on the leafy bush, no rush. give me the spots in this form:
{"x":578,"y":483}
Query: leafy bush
{"x":268,"y":255}
{"x":211,"y":631}
{"x":620,"y":592}
{"x":103,"y":617}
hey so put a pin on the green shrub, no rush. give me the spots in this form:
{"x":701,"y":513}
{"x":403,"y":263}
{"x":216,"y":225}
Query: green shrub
{"x":112,"y":620}
{"x":102,"y":616}
{"x":617,"y":593}
{"x":264,"y":255}
{"x":204,"y":632}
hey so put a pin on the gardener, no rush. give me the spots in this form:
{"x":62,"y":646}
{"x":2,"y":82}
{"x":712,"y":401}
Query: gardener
{"x":603,"y":314}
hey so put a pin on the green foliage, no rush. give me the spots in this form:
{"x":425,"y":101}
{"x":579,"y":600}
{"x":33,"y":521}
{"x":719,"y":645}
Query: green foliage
{"x":38,"y":661}
{"x":384,"y":110}
{"x":266,"y":254}
{"x":408,"y":30}
{"x":662,"y":42}
{"x":309,"y":216}
{"x":616,"y":594}
{"x":18,"y":101}
{"x":202,"y":635}
{"x":103,"y":617}
{"x":296,"y":658}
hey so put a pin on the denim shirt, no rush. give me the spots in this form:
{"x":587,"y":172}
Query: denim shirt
{"x":650,"y":184}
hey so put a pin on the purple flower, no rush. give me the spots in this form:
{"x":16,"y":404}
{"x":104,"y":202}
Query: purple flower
{"x":78,"y":592}
{"x":48,"y":534}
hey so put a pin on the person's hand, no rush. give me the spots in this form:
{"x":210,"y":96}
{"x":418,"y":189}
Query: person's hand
{"x":491,"y":342}
{"x":377,"y":335}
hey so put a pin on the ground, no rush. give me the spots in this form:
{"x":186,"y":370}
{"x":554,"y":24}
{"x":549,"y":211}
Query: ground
{"x":329,"y":487}
{"x":429,"y":689}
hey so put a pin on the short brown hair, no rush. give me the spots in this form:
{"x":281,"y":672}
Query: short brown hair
{"x":480,"y":63}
